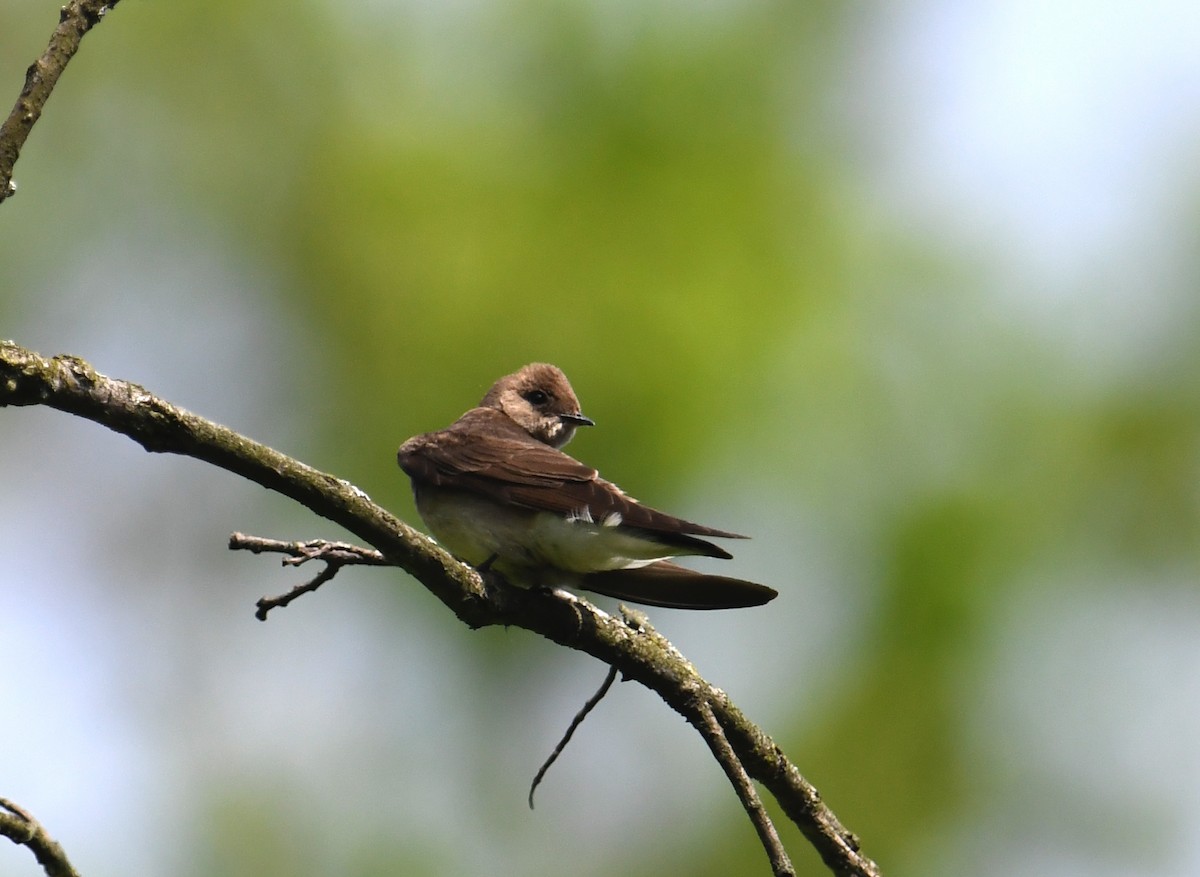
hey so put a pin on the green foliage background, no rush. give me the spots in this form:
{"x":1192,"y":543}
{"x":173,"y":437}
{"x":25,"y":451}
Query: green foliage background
{"x":665,"y":200}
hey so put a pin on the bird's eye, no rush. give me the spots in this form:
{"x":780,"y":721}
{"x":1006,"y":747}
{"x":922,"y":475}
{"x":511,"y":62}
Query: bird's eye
{"x":537,"y":397}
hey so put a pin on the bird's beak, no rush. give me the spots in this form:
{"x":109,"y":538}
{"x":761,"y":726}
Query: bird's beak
{"x":577,"y":419}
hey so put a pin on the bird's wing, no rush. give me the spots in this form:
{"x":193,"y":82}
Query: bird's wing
{"x":485,"y":453}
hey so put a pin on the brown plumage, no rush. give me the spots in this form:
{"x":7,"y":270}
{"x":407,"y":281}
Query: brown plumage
{"x":495,"y":488}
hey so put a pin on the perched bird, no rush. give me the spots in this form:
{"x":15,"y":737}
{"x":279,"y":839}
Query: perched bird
{"x":495,"y":490}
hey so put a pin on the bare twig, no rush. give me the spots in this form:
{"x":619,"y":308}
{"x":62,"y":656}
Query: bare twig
{"x":575,"y":723}
{"x":21,"y":828}
{"x":266,"y":604}
{"x":714,"y":735}
{"x":335,"y":554}
{"x":636,"y":651}
{"x":75,"y":20}
{"x":344,"y":553}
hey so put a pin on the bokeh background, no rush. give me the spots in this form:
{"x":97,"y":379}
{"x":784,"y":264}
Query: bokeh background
{"x":906,"y":291}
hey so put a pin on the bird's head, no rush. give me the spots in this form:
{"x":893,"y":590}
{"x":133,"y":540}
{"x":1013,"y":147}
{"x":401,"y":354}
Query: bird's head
{"x":539,"y":399}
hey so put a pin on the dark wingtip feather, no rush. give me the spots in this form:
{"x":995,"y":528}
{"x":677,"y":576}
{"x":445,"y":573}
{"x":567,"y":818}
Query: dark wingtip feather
{"x":675,"y":587}
{"x":685,"y":543}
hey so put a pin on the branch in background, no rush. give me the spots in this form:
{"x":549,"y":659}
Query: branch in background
{"x":22,"y":829}
{"x":74,"y":20}
{"x":627,"y":644}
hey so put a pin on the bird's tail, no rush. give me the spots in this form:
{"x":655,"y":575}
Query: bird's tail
{"x":667,"y":584}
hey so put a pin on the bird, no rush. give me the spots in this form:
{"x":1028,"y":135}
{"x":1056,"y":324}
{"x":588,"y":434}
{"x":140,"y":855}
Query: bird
{"x":497,"y":491}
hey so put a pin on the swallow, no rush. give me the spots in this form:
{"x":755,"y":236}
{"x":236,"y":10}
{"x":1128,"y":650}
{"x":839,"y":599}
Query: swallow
{"x":498,"y":492}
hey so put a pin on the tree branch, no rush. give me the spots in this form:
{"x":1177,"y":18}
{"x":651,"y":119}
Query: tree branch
{"x":21,"y":828}
{"x":74,"y":20}
{"x":636,"y":650}
{"x":706,"y":722}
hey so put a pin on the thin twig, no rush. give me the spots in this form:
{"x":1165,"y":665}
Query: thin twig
{"x":266,"y":604}
{"x":21,"y":828}
{"x":714,"y":735}
{"x":335,"y":554}
{"x":575,"y":723}
{"x":344,"y":553}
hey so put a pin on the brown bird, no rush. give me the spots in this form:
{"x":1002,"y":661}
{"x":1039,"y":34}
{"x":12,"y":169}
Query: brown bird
{"x":495,"y":489}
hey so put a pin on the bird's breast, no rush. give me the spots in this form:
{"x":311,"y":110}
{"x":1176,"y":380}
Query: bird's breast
{"x":475,"y":528}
